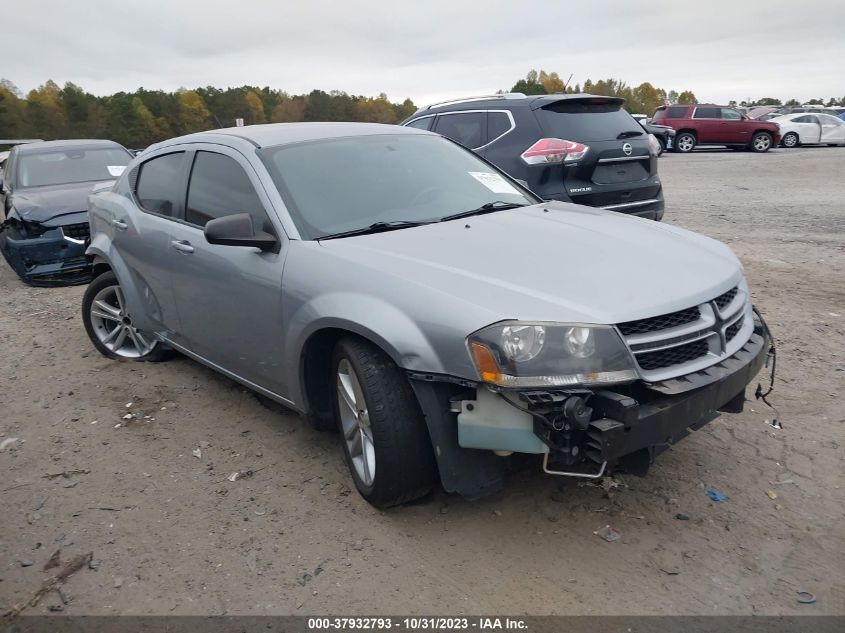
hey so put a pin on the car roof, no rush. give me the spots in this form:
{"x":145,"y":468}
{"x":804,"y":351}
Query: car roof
{"x":272,"y":134}
{"x":506,"y":100}
{"x":82,"y":143}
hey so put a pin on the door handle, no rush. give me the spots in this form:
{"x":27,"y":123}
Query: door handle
{"x":119,"y":224}
{"x":183,"y":246}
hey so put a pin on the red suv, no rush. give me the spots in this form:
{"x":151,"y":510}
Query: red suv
{"x":705,"y":124}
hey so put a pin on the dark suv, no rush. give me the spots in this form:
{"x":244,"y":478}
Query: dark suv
{"x":575,"y":148}
{"x":707,"y":124}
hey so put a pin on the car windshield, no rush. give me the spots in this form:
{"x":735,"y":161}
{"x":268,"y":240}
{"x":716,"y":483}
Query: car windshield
{"x":346,"y":184}
{"x":62,"y":167}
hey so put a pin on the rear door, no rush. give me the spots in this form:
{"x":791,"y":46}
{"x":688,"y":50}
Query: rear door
{"x":229,"y":297}
{"x":140,"y":232}
{"x":708,"y":124}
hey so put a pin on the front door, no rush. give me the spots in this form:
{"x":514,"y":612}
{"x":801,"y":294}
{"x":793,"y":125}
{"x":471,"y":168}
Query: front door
{"x":833,"y":129}
{"x":229,"y":298}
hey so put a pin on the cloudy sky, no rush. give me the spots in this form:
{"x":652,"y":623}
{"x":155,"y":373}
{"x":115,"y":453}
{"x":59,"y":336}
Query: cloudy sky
{"x":430,"y":50}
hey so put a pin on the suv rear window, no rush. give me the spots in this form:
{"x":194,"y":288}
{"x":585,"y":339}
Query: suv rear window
{"x":582,"y":120}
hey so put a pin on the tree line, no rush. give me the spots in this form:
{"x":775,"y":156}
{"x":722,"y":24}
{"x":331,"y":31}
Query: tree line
{"x":137,"y":119}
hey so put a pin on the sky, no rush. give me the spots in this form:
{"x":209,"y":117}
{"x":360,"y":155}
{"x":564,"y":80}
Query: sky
{"x":429,"y":51}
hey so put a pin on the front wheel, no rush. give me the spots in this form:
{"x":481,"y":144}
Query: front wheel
{"x":790,"y":139}
{"x":385,"y":438}
{"x":761,"y":142}
{"x":685,"y":142}
{"x":109,"y":325}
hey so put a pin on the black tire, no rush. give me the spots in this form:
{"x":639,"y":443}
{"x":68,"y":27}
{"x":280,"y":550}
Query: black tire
{"x":662,"y":146}
{"x":405,"y":465}
{"x":758,"y":144}
{"x":790,"y":139}
{"x":158,"y":352}
{"x":685,"y":142}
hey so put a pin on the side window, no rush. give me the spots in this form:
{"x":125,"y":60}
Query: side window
{"x":422,"y":124}
{"x":220,"y":187}
{"x":707,"y":113}
{"x":731,"y":115}
{"x":9,"y":169}
{"x":802,"y":119}
{"x":676,"y":112}
{"x":467,"y":128}
{"x":498,"y":123}
{"x":813,"y":119}
{"x":159,"y":187}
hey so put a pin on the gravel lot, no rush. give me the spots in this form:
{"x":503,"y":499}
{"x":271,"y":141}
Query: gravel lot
{"x":170,"y":534}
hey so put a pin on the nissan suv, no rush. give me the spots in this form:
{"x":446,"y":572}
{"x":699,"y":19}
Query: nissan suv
{"x":707,"y":124}
{"x":439,"y":315}
{"x":570,"y":147}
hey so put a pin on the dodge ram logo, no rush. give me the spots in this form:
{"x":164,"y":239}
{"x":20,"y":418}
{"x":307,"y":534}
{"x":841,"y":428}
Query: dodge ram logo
{"x":627,"y":149}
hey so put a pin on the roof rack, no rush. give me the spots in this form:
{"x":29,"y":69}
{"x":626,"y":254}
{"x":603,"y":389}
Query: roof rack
{"x":501,"y":95}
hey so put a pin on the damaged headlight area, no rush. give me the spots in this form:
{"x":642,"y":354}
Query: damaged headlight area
{"x":516,"y":354}
{"x":46,"y":255}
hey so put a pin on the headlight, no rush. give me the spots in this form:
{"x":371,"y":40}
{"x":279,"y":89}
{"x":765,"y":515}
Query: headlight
{"x":525,"y":355}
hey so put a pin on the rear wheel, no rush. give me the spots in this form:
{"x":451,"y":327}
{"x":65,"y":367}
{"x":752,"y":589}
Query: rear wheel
{"x":385,"y":439}
{"x":109,"y":325}
{"x":790,"y":139}
{"x":662,"y":146}
{"x":761,"y":142}
{"x":685,"y":142}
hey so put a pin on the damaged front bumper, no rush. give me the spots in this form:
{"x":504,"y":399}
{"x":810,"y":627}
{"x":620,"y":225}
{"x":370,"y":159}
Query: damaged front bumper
{"x":588,"y":432}
{"x":47,"y":255}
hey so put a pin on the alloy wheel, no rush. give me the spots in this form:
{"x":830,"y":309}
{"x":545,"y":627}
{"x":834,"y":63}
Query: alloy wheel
{"x":762,"y":142}
{"x":685,"y":143}
{"x":790,"y":140}
{"x":114,"y":328}
{"x":355,"y":422}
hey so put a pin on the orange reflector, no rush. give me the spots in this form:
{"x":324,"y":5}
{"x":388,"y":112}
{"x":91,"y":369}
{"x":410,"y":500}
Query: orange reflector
{"x":486,"y":364}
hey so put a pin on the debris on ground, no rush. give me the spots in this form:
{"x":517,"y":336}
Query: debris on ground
{"x":805,"y":597}
{"x":51,"y":584}
{"x":243,"y":474}
{"x":771,"y":494}
{"x":64,"y":540}
{"x":55,"y":560}
{"x":67,"y":473}
{"x":197,"y":453}
{"x":7,"y":442}
{"x":118,"y":582}
{"x":670,"y":571}
{"x":608,"y":533}
{"x":715,"y":495}
{"x":682,"y":517}
{"x":25,"y":562}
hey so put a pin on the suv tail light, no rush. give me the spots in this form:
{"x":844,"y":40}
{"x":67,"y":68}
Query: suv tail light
{"x":554,"y":150}
{"x":653,"y":145}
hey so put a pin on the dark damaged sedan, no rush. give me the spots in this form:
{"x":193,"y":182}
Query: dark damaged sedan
{"x":45,"y":189}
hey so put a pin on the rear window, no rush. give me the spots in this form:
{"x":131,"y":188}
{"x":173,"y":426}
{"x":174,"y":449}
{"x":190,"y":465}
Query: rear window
{"x":707,"y":112}
{"x":584,"y":121}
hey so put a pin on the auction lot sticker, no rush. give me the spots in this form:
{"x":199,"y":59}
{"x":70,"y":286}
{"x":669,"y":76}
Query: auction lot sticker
{"x":494,"y":182}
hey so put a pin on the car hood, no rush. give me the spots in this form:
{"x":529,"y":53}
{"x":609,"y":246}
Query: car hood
{"x":46,"y":204}
{"x":552,"y":261}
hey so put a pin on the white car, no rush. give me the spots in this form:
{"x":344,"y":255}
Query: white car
{"x":807,"y":128}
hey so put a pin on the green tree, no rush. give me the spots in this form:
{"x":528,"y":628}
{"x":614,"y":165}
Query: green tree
{"x":289,"y":110}
{"x":255,"y":108}
{"x":530,"y":85}
{"x":12,"y":111}
{"x":45,"y":111}
{"x":194,"y":116}
{"x":687,"y":97}
{"x":672,"y":97}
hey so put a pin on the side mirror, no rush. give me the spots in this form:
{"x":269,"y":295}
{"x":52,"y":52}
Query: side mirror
{"x":237,"y":230}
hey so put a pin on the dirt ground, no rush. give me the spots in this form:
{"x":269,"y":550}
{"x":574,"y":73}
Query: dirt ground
{"x":170,"y":534}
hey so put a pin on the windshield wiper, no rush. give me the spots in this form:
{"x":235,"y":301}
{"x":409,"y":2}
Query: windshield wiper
{"x":630,"y":133}
{"x":376,"y":227}
{"x":498,"y":205}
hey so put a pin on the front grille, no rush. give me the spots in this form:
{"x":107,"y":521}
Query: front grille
{"x":733,"y":329}
{"x":662,"y":322}
{"x":673,"y":355}
{"x":724,"y":300}
{"x":79,"y":231}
